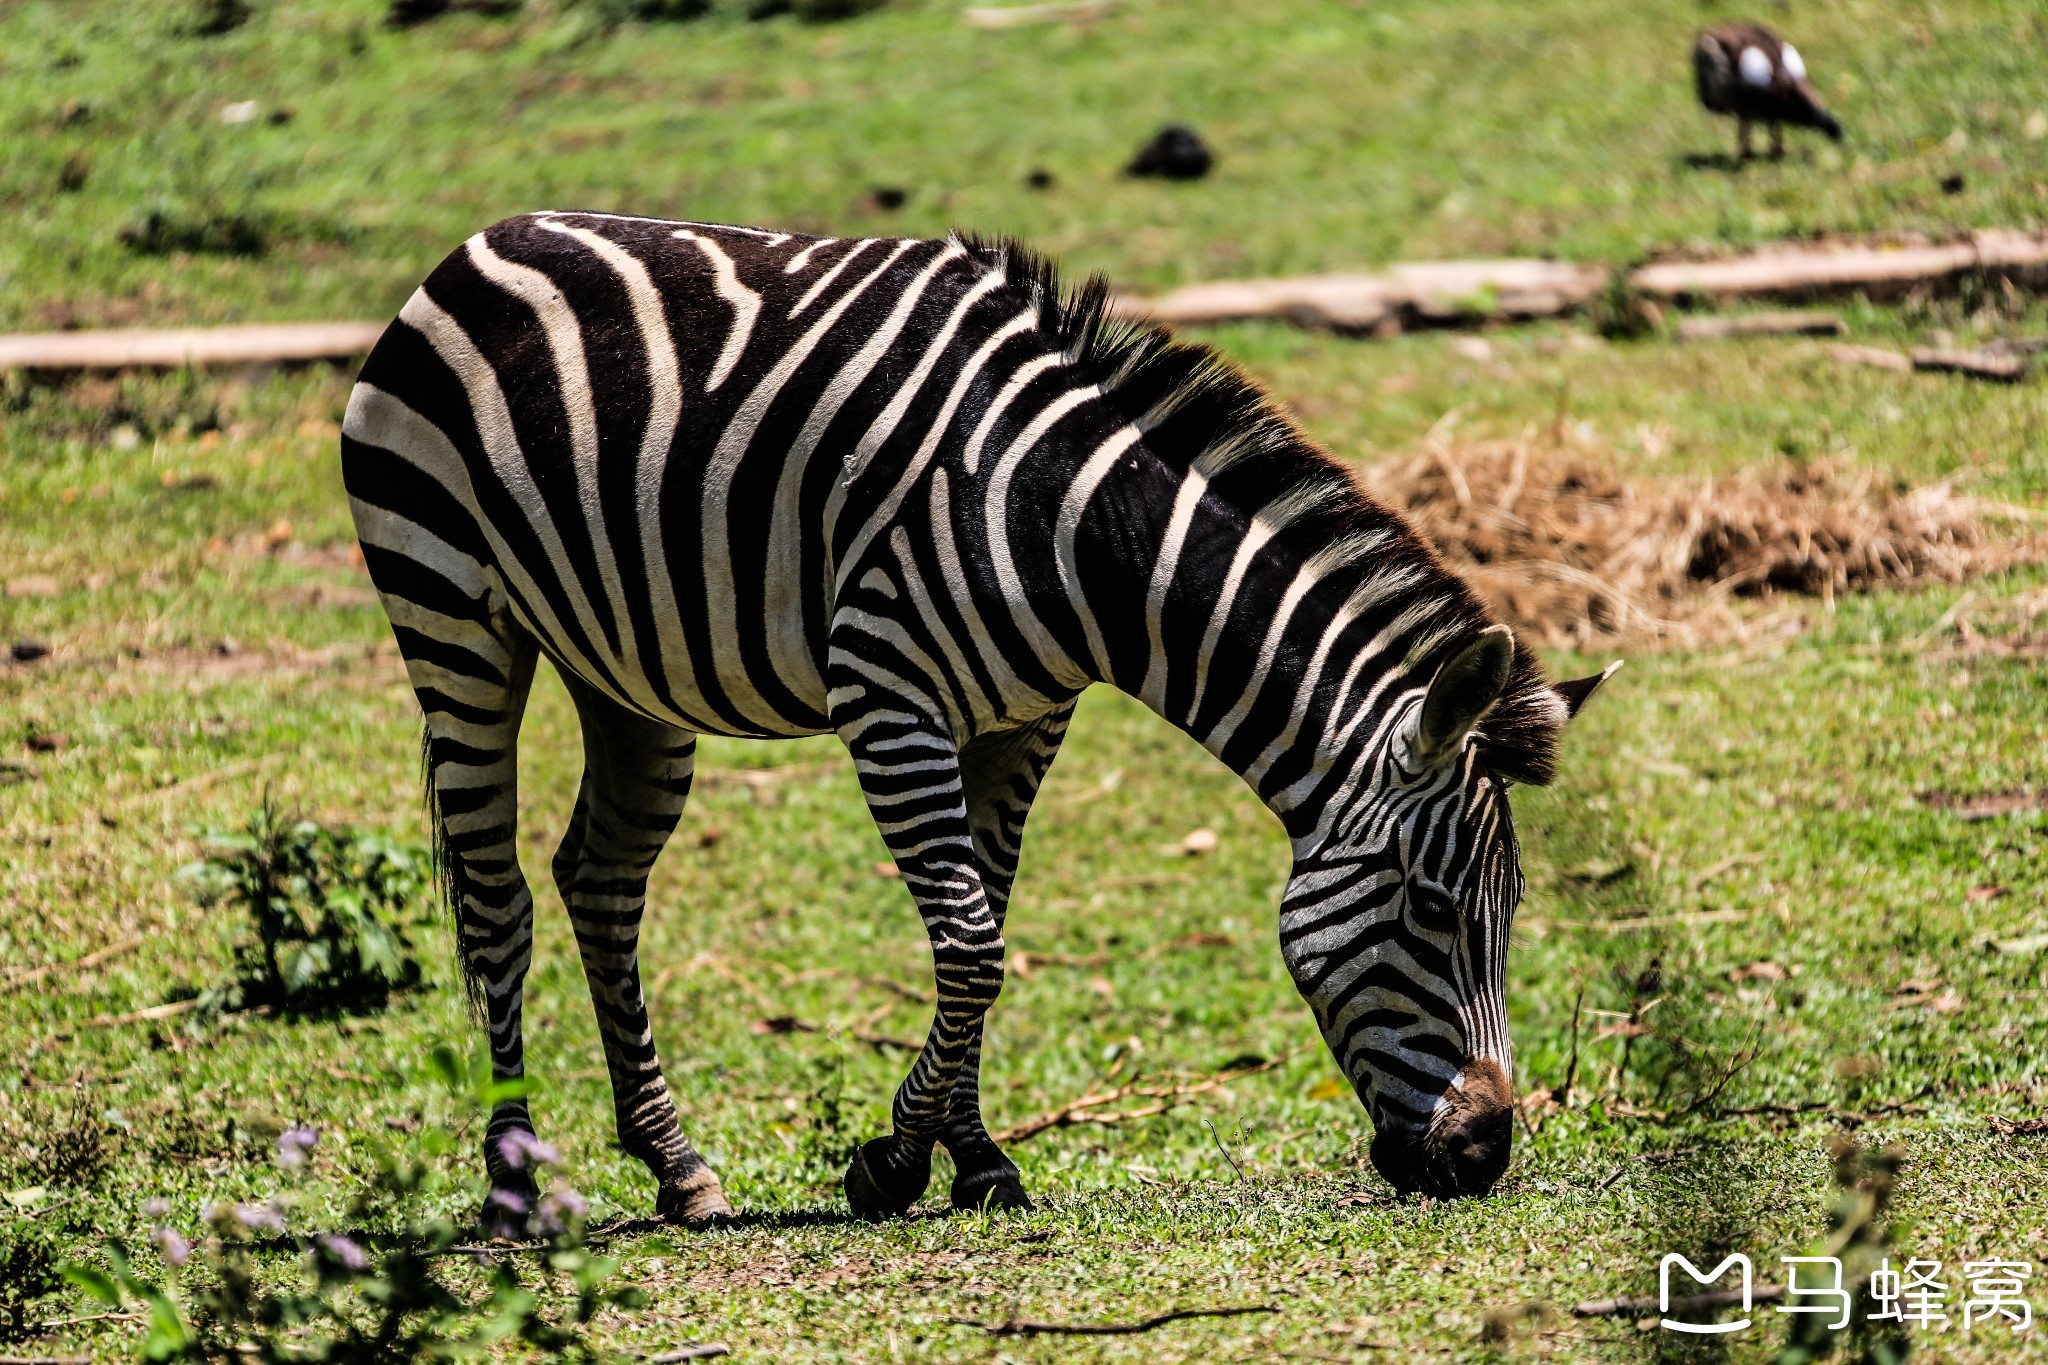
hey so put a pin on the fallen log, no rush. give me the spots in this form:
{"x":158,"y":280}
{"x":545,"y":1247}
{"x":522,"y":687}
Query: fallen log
{"x":180,"y":347}
{"x":1805,"y":324}
{"x":1018,"y":16}
{"x":2001,"y":367}
{"x":1876,"y":356}
{"x":1402,"y":297}
{"x":1799,"y":271}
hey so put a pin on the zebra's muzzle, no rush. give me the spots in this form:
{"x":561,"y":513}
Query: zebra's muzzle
{"x":1466,"y":1145}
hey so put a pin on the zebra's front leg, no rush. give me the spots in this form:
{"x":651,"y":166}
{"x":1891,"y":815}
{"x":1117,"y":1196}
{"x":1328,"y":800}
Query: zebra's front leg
{"x":912,"y":780}
{"x":1002,"y":773}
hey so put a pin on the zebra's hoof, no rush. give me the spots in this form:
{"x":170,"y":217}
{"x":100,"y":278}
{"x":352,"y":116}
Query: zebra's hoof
{"x":995,"y":1188}
{"x":882,"y":1181}
{"x":507,"y":1211}
{"x":694,"y":1201}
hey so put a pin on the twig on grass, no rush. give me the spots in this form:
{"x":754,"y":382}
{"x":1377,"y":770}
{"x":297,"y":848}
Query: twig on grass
{"x":789,"y":1023}
{"x":26,"y":976}
{"x":702,"y":1351}
{"x":1715,"y":1298}
{"x":1018,"y":1328}
{"x":1088,"y":1108}
{"x":1218,"y":1137}
{"x":44,"y":1360}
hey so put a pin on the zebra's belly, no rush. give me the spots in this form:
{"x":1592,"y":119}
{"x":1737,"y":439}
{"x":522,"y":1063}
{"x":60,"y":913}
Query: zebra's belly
{"x":733,"y":688}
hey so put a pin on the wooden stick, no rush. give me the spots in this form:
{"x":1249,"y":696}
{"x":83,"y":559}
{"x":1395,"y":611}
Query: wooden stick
{"x":78,"y":964}
{"x":706,"y":1351}
{"x":1760,"y":324}
{"x":169,"y":1011}
{"x":1636,"y":1308}
{"x":1016,"y":1328}
{"x":178,"y":348}
{"x":1082,"y":1110}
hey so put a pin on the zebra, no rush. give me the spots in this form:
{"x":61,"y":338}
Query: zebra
{"x":920,"y":494}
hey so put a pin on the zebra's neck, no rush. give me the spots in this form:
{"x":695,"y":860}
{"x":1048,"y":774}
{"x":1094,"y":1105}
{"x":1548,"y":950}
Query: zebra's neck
{"x":1277,"y":640}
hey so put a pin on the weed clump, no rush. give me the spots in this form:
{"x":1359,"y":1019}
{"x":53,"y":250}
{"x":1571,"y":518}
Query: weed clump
{"x":1561,"y":546}
{"x":29,"y":1271}
{"x":326,"y":911}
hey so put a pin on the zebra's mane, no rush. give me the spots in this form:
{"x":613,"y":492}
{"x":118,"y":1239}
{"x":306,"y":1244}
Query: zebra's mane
{"x":1201,"y":413}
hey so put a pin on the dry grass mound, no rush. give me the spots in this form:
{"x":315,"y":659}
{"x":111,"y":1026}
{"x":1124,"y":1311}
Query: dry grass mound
{"x":1568,"y":551}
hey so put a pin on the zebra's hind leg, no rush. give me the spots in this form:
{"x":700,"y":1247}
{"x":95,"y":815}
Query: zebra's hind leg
{"x":636,"y":777}
{"x":472,"y":682}
{"x":1002,"y":773}
{"x":910,"y":773}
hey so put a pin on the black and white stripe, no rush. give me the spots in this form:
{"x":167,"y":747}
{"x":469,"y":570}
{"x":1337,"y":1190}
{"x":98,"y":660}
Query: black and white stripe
{"x":908,"y":492}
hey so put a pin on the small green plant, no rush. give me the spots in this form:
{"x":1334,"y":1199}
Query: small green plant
{"x":326,"y":908}
{"x":29,"y":1271}
{"x":411,"y":1298}
{"x":1620,"y":312}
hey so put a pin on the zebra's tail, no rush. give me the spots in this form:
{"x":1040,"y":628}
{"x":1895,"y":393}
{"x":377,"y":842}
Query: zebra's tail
{"x":447,"y":872}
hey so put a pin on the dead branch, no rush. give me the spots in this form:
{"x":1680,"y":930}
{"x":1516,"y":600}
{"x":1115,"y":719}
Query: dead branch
{"x":1088,"y":1108}
{"x":31,"y":975}
{"x":789,"y":1023}
{"x":1643,"y":1307}
{"x":1019,"y":1328}
{"x":706,"y":1351}
{"x":2005,"y":1127}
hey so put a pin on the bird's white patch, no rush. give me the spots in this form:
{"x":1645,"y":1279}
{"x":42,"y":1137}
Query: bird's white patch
{"x":1756,"y":67}
{"x":1794,"y":66}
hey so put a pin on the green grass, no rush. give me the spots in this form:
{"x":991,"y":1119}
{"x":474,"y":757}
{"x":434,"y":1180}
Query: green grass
{"x":1754,"y":802}
{"x":1347,"y":134}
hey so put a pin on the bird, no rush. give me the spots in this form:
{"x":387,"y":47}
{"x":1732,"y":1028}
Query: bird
{"x":1747,"y":71}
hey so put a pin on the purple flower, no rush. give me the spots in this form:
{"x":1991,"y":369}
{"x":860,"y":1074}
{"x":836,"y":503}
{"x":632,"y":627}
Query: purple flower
{"x":156,"y":1208}
{"x":520,"y":1149}
{"x":294,"y":1143}
{"x":345,"y":1253}
{"x":172,"y":1245}
{"x":509,"y":1200}
{"x":244,"y":1219}
{"x":559,"y":1208}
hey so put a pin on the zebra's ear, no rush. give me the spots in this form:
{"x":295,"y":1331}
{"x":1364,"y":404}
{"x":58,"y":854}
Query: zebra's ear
{"x":1575,"y":693}
{"x":1461,"y":693}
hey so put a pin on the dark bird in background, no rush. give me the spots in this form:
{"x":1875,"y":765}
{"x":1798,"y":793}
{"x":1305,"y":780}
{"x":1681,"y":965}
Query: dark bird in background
{"x":1748,"y":72}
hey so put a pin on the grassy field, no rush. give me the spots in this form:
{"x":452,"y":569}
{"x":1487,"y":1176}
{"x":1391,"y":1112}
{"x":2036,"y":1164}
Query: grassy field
{"x":1773,"y":838}
{"x":1347,"y":134}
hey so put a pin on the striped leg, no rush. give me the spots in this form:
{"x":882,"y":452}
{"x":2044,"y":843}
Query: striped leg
{"x":911,"y":776}
{"x":474,"y":694}
{"x":1003,"y":772}
{"x":636,"y":777}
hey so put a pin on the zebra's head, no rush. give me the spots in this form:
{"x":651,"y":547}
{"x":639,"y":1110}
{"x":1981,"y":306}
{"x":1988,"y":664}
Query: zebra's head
{"x":1395,"y":922}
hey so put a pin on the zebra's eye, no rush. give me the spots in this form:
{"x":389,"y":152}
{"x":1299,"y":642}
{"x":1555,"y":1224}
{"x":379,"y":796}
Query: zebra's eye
{"x":1435,"y":909}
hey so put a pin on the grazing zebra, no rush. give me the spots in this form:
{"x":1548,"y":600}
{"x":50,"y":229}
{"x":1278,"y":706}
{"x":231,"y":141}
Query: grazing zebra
{"x":910,"y":493}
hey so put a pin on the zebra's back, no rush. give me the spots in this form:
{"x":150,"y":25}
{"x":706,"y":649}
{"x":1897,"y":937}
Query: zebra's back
{"x":641,"y":439}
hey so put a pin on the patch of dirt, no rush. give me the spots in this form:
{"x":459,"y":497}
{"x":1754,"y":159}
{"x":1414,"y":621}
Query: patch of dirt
{"x":1563,"y":547}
